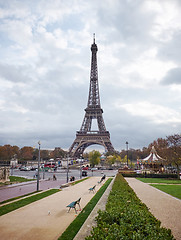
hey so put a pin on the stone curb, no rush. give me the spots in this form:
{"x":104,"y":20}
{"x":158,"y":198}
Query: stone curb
{"x":90,"y":222}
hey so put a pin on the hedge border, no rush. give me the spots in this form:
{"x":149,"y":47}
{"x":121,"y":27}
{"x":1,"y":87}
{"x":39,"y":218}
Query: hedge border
{"x":75,"y":226}
{"x":126,"y":217}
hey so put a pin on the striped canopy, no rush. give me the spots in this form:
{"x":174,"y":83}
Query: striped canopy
{"x":153,"y":157}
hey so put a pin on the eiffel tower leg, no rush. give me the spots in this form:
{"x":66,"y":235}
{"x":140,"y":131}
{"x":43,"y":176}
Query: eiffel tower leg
{"x":83,"y":141}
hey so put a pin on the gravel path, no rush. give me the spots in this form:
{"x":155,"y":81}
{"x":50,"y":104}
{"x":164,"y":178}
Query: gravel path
{"x":163,"y":206}
{"x":90,"y":222}
{"x":34,"y":221}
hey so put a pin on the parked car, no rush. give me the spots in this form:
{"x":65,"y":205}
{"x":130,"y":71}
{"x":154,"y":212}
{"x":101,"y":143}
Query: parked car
{"x":95,"y":168}
{"x":25,"y":169}
{"x":85,"y":168}
{"x":49,"y":164}
{"x":33,"y":168}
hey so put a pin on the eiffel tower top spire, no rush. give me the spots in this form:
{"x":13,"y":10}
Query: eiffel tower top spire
{"x":93,"y":110}
{"x":94,"y":99}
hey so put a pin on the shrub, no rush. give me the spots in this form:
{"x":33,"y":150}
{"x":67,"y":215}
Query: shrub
{"x":74,"y":227}
{"x":126,"y":217}
{"x":152,"y":175}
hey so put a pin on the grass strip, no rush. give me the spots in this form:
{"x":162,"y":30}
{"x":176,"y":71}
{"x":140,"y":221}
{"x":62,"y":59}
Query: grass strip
{"x":174,"y":190}
{"x":19,"y":179}
{"x":79,"y":181}
{"x":126,"y":217}
{"x":15,"y":198}
{"x":159,"y":180}
{"x":23,"y":202}
{"x":74,"y":227}
{"x":15,"y":179}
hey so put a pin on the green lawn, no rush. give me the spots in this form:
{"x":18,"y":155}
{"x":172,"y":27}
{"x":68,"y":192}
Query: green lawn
{"x":160,"y":180}
{"x":83,"y":179}
{"x":14,"y":179}
{"x":174,"y":190}
{"x":19,"y":179}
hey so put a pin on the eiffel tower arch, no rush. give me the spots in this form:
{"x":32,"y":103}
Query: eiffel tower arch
{"x":87,"y":137}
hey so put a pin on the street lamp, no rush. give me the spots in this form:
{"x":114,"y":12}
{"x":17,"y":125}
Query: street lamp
{"x":38,"y":176}
{"x":67,"y":169}
{"x":81,"y":166}
{"x":127,"y":151}
{"x":44,"y":170}
{"x":12,"y":166}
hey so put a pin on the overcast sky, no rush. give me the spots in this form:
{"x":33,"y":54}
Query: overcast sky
{"x":45,"y":69}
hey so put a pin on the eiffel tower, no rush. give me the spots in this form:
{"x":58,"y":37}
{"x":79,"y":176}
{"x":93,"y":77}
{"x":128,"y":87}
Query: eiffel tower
{"x":86,"y":137}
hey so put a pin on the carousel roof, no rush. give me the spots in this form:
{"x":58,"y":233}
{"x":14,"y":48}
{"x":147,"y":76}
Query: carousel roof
{"x":153,"y":156}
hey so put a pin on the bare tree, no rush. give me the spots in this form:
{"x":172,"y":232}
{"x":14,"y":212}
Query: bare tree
{"x":174,"y":151}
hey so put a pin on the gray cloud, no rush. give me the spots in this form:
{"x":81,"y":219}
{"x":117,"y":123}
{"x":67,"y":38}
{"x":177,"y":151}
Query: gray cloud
{"x":45,"y":68}
{"x":173,"y":77}
{"x":15,"y":73}
{"x":170,"y":50}
{"x":128,"y":23}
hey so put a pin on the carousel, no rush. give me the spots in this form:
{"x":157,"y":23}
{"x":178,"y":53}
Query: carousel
{"x":153,"y":162}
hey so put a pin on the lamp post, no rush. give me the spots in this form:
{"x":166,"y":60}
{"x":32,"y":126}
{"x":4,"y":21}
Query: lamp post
{"x":80,"y":166}
{"x":44,"y":170}
{"x":38,"y":176}
{"x":127,"y":151}
{"x":12,"y":166}
{"x":67,"y":168}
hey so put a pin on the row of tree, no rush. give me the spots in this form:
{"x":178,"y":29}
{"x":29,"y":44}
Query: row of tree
{"x":8,"y":152}
{"x":169,"y":149}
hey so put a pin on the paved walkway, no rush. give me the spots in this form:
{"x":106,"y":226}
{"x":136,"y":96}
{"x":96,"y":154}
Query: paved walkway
{"x":164,"y":207}
{"x":34,"y":222}
{"x":19,"y":189}
{"x":90,"y":222}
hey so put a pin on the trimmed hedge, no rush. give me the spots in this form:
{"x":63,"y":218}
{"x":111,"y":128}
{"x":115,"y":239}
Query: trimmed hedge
{"x":74,"y":227}
{"x":126,"y":217}
{"x":151,"y":175}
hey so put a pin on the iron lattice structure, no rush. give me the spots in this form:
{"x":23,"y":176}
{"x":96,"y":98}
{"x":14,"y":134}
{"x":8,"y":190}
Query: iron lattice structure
{"x":86,"y":137}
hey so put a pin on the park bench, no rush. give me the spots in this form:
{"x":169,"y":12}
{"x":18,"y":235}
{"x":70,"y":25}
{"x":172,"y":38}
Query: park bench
{"x":103,"y":178}
{"x":92,"y":189}
{"x":73,"y":205}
